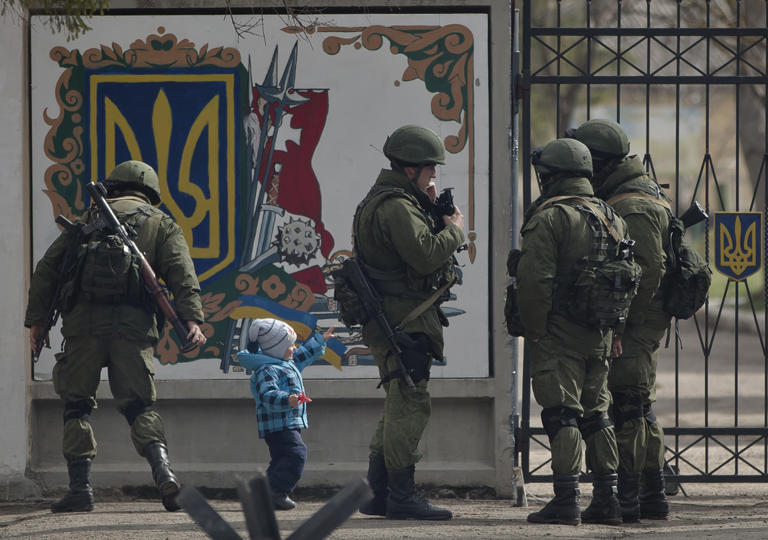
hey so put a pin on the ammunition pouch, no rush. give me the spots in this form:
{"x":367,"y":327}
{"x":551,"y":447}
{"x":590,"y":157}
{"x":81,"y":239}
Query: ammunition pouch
{"x":553,"y":419}
{"x":511,"y":304}
{"x":593,"y":424}
{"x":80,"y":409}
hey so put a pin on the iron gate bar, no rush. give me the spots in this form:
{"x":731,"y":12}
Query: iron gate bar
{"x":717,"y":57}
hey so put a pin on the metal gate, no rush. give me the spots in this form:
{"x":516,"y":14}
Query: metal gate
{"x":688,"y":81}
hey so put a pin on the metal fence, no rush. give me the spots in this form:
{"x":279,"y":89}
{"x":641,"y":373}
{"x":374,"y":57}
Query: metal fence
{"x":688,"y":81}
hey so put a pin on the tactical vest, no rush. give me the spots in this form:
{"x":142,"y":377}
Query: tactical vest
{"x":108,"y":272}
{"x":606,"y":279}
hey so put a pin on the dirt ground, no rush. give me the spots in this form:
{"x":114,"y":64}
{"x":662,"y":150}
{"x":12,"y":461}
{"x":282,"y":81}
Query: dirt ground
{"x":709,"y":511}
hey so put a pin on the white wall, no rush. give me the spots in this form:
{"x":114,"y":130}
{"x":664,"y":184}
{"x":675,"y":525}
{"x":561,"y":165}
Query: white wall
{"x":14,"y":364}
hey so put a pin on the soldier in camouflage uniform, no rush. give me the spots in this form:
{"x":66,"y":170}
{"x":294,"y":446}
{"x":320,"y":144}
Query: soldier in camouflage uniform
{"x":621,"y":180}
{"x":568,"y":359}
{"x":118,"y":334}
{"x":406,"y":262}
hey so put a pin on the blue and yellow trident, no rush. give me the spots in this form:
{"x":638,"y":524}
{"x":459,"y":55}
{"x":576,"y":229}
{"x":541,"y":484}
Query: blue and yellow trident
{"x":186,"y":125}
{"x":738,"y":241}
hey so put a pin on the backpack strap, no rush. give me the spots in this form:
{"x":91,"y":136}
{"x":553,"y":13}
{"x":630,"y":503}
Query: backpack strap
{"x":639,"y":195}
{"x":586,"y":202}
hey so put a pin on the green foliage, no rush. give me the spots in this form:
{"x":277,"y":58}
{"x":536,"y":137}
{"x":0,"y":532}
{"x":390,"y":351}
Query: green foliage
{"x":68,"y":16}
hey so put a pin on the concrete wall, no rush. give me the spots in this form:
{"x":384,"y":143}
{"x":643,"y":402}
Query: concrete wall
{"x":211,"y":423}
{"x":14,"y":259}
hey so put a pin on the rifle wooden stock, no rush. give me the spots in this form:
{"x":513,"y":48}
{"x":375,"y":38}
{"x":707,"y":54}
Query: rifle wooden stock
{"x":148,"y":275}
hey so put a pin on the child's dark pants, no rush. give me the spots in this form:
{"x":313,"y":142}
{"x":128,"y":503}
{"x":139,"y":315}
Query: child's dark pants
{"x":288,"y":454}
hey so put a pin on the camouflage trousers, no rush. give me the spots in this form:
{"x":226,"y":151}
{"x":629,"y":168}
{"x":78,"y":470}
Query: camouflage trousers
{"x":76,"y":377}
{"x":569,"y":368}
{"x":404,"y":418}
{"x":632,"y":382}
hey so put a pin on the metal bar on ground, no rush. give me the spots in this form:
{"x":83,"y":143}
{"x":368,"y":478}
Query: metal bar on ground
{"x":334,"y":512}
{"x":202,"y":513}
{"x":257,"y":507}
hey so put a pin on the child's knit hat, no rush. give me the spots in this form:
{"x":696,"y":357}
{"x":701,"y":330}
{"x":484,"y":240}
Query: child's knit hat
{"x":272,"y":336}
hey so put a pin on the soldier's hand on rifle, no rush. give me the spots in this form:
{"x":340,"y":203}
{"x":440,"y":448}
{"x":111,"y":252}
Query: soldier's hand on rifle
{"x":457,"y":218}
{"x":293,"y":400}
{"x":431,"y":191}
{"x":616,"y":348}
{"x":195,"y":335}
{"x":328,"y":334}
{"x":37,"y":336}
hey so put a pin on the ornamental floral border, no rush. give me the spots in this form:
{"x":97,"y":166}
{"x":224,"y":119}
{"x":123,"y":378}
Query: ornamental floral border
{"x":440,"y":56}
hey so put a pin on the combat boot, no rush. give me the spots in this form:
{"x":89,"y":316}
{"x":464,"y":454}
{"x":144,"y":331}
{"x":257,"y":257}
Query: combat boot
{"x":604,"y":507}
{"x":79,"y":498}
{"x":653,"y":500}
{"x":563,"y":509}
{"x":629,"y":487}
{"x":377,"y":479}
{"x":157,"y":455}
{"x":404,"y":503}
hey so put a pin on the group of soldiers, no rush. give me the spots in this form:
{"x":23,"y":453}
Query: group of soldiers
{"x":595,"y":384}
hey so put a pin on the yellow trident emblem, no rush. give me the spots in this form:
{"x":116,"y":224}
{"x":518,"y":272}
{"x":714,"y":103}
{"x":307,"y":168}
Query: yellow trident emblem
{"x":737,"y":243}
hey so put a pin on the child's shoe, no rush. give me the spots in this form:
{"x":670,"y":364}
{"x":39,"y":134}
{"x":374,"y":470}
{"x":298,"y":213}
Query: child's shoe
{"x":281,"y":501}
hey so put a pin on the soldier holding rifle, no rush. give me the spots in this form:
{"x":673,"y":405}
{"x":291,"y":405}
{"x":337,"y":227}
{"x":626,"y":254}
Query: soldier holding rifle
{"x":409,"y":265}
{"x":99,"y":274}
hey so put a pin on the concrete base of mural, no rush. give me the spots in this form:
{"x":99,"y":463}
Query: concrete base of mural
{"x":213,"y":437}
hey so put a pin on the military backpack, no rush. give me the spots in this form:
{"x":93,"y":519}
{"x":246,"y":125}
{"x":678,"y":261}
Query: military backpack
{"x":105,"y":269}
{"x":685,"y":285}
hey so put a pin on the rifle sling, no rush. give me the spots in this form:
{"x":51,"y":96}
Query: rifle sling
{"x":421,"y":308}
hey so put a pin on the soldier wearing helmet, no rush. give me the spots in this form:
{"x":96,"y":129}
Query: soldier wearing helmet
{"x":407,"y":262}
{"x":622,"y":181}
{"x":109,"y":321}
{"x":569,"y":359}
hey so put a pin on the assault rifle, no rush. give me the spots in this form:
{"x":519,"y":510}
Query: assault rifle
{"x":54,"y":309}
{"x":371,"y":302}
{"x":106,"y":218}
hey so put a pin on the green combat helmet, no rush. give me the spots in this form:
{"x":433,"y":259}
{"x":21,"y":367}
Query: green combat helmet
{"x":136,"y":175}
{"x":415,"y":145}
{"x":605,"y":138}
{"x":562,"y":155}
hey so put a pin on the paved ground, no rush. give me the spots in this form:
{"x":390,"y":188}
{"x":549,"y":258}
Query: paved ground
{"x":708,"y":512}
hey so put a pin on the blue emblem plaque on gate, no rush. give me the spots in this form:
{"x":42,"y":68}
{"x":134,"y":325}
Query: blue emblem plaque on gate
{"x":738,"y":241}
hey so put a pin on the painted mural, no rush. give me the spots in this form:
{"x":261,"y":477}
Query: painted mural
{"x":263,"y":147}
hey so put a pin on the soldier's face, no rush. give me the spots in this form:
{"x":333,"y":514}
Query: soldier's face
{"x":428,"y":172}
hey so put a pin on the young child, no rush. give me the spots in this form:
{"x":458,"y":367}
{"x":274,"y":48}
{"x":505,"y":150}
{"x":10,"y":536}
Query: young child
{"x":278,"y":389}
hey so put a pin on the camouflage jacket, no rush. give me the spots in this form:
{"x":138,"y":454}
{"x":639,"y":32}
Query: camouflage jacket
{"x":163,"y":244}
{"x":396,"y":238}
{"x":648,"y":224}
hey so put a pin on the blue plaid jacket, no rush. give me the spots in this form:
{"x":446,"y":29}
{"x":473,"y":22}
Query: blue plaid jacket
{"x":273,"y":380}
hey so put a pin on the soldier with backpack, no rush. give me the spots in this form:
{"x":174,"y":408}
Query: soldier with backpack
{"x":407,"y":264}
{"x":575,"y":281}
{"x":621,"y":180}
{"x":108,"y":320}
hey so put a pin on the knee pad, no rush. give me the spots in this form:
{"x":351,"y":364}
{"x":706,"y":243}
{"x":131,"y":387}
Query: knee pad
{"x":648,"y":414}
{"x":625,"y":408}
{"x":80,"y":409}
{"x":555,"y":418}
{"x":593,"y":424}
{"x":134,"y":409}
